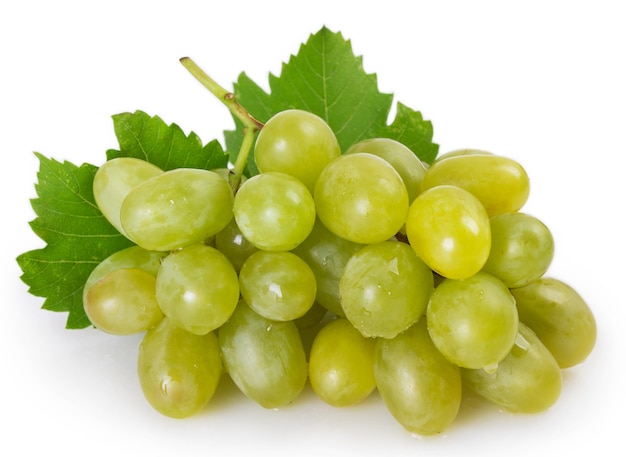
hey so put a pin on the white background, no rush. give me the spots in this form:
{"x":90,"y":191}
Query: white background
{"x":539,"y":81}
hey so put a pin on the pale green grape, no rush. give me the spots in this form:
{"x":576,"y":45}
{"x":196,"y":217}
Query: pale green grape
{"x":327,"y":255}
{"x":473,"y":321}
{"x":501,"y":184}
{"x":274,"y":211}
{"x":406,"y":163}
{"x":384,"y":289}
{"x":341,"y":364}
{"x":449,"y":230}
{"x":131,"y":257}
{"x":527,"y":380}
{"x":522,"y":249}
{"x":560,"y":317}
{"x":177,"y":208}
{"x":178,"y":371}
{"x":123,"y":302}
{"x":197,"y":288}
{"x":298,"y":143}
{"x":264,"y":358}
{"x":362,"y":198}
{"x":231,"y":242}
{"x":277,"y":285}
{"x":114,"y":180}
{"x":419,"y":386}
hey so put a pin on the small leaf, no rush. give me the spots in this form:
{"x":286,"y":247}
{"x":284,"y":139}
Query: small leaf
{"x":166,"y":146}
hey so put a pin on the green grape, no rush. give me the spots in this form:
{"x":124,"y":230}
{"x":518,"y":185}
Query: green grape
{"x":362,"y":198}
{"x":277,"y":285}
{"x":123,"y":302}
{"x":264,"y":358}
{"x":231,"y":242}
{"x":341,"y":364}
{"x":419,"y":386}
{"x":132,"y":257}
{"x":527,"y":380}
{"x":177,"y":208}
{"x":449,"y":230}
{"x":197,"y":288}
{"x":327,"y":255}
{"x":406,"y":163}
{"x":114,"y":180}
{"x":501,"y":184}
{"x":560,"y":317}
{"x":473,"y":321}
{"x":461,"y":152}
{"x":274,"y":211}
{"x":298,"y":143}
{"x":178,"y":371}
{"x":522,"y":249}
{"x":384,"y":289}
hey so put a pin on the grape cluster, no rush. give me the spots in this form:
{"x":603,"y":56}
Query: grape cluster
{"x":355,"y":272}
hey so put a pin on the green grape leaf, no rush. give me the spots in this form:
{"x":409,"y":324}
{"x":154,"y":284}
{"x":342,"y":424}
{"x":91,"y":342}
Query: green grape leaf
{"x":326,"y":78}
{"x":166,"y":146}
{"x":77,"y":235}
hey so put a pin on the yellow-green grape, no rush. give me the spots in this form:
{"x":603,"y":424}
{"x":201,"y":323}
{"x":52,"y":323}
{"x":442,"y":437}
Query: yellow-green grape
{"x":274,"y":211}
{"x":406,"y":163}
{"x":178,"y":371}
{"x":419,"y":386}
{"x":298,"y":143}
{"x":197,"y":288}
{"x":123,"y":302}
{"x":277,"y":285}
{"x":560,"y":317}
{"x":231,"y":242}
{"x":522,"y":249}
{"x":473,"y":321}
{"x":362,"y":198}
{"x":527,"y":380}
{"x":177,"y":208}
{"x":384,"y":289}
{"x":341,"y":364}
{"x":264,"y":358}
{"x":114,"y":180}
{"x":501,"y":184}
{"x":327,"y":255}
{"x":449,"y":230}
{"x":131,"y":257}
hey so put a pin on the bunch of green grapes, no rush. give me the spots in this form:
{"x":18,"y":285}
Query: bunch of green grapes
{"x":356,"y":271}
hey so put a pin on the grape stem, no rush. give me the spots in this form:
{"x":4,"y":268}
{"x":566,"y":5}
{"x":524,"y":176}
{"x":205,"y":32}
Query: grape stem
{"x":251,"y":125}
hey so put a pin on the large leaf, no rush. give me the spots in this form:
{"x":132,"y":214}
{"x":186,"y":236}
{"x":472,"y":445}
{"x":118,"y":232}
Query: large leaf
{"x":78,"y":237}
{"x":326,"y":78}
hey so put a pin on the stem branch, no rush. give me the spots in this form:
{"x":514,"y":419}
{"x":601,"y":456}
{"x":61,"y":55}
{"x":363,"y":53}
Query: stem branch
{"x":251,"y":125}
